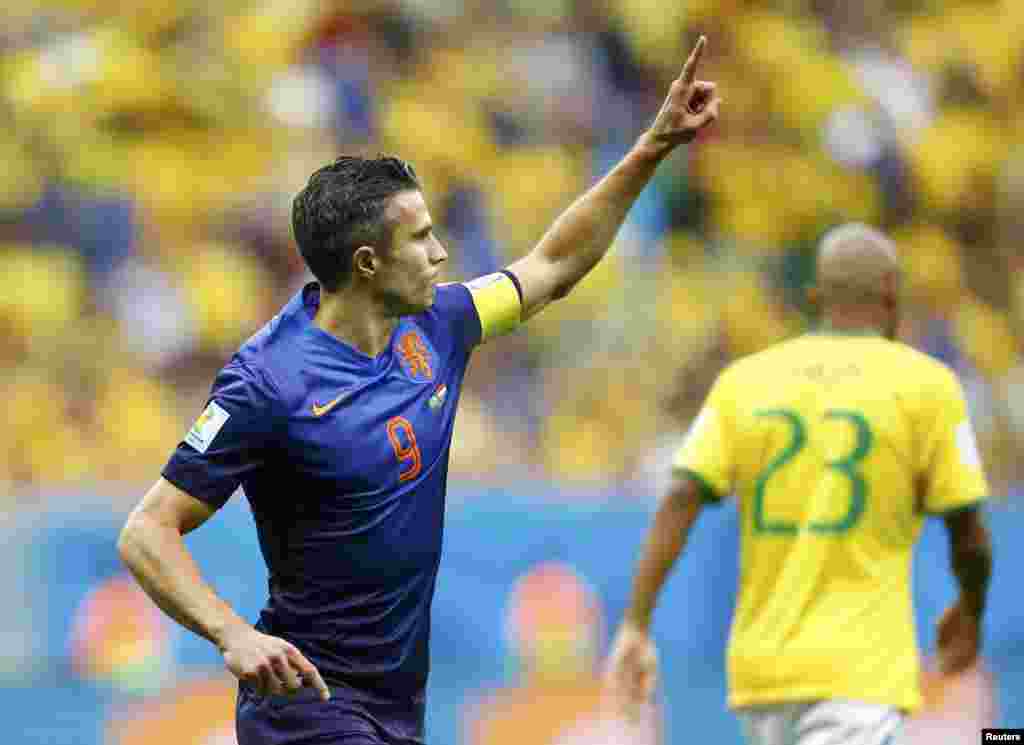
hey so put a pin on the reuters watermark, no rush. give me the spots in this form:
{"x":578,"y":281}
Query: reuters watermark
{"x":1002,"y":735}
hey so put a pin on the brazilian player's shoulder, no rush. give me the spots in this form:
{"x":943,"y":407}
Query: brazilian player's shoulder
{"x":923,"y":367}
{"x":744,"y":378}
{"x":917,"y":377}
{"x":757,"y":365}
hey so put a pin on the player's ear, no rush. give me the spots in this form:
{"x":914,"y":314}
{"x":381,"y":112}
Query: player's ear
{"x":814,"y":298}
{"x":364,"y":262}
{"x":892,"y":286}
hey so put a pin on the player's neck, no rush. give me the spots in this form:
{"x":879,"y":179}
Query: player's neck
{"x":852,"y":323}
{"x":358,"y":323}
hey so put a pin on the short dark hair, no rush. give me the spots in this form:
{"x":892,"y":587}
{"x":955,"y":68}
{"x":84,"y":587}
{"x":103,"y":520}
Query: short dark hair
{"x":342,"y":208}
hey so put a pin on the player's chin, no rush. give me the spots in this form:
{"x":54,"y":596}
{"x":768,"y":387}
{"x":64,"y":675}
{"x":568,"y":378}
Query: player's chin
{"x":422,"y":304}
{"x":429,"y":300}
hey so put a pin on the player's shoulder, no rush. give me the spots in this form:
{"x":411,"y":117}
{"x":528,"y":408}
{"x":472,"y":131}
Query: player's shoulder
{"x":252,"y":373}
{"x":733,"y":384}
{"x":451,"y":300}
{"x":448,"y":294}
{"x":265,"y":360}
{"x":286,"y":325}
{"x":759,"y":365}
{"x":919,"y":369}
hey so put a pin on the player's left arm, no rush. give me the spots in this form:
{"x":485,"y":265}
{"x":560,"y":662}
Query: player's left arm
{"x":954,"y":486}
{"x":581,"y":236}
{"x":959,"y":628}
{"x":632,"y":668}
{"x":702,"y":473}
{"x":666,"y":540}
{"x":952,"y":475}
{"x":970,"y":547}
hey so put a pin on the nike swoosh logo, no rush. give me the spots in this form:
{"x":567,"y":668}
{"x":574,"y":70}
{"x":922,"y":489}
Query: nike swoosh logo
{"x":319,"y":410}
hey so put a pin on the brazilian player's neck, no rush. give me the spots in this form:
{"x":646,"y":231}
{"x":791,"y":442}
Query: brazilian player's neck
{"x":355,"y":320}
{"x":879,"y":318}
{"x":855,"y":324}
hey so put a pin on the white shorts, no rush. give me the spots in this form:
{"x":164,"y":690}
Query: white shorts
{"x":836,"y":722}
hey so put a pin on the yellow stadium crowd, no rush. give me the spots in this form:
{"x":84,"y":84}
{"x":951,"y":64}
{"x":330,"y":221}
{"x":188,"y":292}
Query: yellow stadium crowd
{"x":150,"y":156}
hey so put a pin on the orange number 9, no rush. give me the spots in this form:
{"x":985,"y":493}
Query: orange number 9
{"x":409,"y":453}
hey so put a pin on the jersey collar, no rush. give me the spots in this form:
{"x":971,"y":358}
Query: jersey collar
{"x":827,"y":329}
{"x":311,"y":301}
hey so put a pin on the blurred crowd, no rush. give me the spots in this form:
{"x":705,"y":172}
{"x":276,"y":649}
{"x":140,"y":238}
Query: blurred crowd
{"x":151,"y":150}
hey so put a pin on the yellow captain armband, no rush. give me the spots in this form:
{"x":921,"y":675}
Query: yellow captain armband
{"x":498,"y":302}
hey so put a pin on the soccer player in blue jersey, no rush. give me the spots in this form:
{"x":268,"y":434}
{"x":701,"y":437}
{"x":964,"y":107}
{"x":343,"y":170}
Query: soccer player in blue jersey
{"x":336,"y":419}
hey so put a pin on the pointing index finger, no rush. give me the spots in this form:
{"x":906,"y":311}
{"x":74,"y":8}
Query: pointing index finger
{"x":690,"y":68}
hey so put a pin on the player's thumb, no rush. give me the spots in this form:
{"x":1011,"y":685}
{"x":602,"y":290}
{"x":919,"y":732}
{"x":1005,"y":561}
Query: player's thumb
{"x":710,"y":113}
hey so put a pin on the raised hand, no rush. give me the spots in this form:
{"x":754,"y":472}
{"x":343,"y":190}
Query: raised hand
{"x":690,"y":106}
{"x":269,"y":664}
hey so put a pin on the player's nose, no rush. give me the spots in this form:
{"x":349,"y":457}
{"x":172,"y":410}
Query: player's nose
{"x":438,"y":253}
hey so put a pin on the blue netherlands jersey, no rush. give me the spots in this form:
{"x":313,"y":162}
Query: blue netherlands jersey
{"x":344,"y":460}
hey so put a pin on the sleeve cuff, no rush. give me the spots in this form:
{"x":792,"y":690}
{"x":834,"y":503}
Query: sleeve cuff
{"x":708,"y":494}
{"x":179,"y":474}
{"x":973,"y":505}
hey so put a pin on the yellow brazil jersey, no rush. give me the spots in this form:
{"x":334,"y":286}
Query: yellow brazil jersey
{"x":836,"y":447}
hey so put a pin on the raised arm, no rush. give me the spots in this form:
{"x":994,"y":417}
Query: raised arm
{"x":152,"y":548}
{"x":581,"y":236}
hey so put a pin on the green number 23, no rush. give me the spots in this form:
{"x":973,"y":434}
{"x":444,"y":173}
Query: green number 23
{"x":847,"y":466}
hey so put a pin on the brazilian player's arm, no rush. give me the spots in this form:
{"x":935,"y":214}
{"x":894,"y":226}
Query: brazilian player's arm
{"x":666,"y":539}
{"x":701,"y":473}
{"x":953,"y":486}
{"x":633,"y":662}
{"x":581,"y":236}
{"x":970,"y":557}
